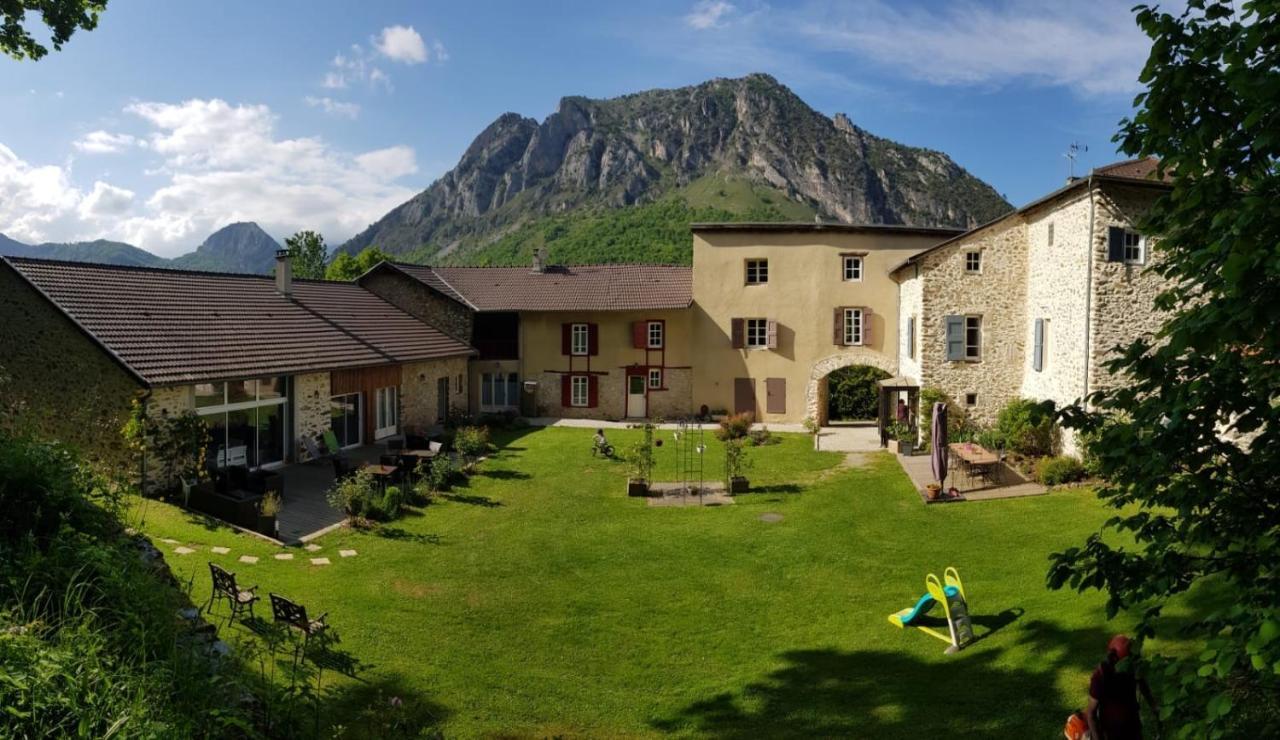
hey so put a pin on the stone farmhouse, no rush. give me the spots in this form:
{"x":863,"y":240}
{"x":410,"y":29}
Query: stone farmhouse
{"x":1030,"y":305}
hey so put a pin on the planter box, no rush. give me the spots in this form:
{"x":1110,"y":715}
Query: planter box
{"x":903,"y":448}
{"x":266,"y":525}
{"x":739,"y":485}
{"x":637,"y":487}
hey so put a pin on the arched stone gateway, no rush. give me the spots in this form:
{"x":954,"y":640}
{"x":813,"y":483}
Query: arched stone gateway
{"x":815,"y":402}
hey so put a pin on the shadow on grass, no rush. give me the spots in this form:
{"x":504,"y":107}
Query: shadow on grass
{"x":403,"y":535}
{"x":383,"y":707}
{"x":472,"y":499}
{"x":503,"y":474}
{"x":880,"y":693}
{"x":776,"y":488}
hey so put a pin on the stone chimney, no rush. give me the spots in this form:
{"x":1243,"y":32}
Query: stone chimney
{"x":540,"y":260}
{"x":284,"y":272}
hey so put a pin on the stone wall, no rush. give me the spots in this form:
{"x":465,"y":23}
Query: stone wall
{"x":675,"y":401}
{"x":419,"y":387}
{"x":910,"y":306}
{"x":416,"y":299}
{"x":57,"y":383}
{"x":611,"y":397}
{"x":310,"y":408}
{"x":998,"y":295}
{"x":817,"y":391}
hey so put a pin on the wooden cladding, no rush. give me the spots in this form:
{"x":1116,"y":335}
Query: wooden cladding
{"x":364,"y":381}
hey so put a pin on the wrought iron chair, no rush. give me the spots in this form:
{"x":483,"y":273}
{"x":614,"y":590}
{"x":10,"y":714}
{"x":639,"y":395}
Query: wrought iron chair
{"x":224,"y":587}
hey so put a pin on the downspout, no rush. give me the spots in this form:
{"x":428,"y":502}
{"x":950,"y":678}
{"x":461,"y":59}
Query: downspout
{"x":1088,"y":294}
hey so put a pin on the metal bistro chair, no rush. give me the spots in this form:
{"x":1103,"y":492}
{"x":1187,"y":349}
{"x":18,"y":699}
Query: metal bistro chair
{"x":224,"y":587}
{"x":294,"y":616}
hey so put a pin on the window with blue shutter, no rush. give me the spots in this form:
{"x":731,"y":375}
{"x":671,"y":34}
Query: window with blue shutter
{"x":1037,"y":358}
{"x":955,"y":338}
{"x":1115,"y":244}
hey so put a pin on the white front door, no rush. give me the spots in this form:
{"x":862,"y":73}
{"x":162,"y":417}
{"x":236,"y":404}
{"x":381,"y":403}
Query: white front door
{"x":635,"y":396}
{"x":387,"y":412}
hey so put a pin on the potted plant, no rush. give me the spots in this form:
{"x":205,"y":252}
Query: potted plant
{"x":736,"y":464}
{"x":812,"y":426}
{"x":903,"y":437}
{"x":933,"y":491}
{"x":267,"y":511}
{"x":640,"y":463}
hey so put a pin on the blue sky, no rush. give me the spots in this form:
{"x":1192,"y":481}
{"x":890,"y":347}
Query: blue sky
{"x":174,"y":118}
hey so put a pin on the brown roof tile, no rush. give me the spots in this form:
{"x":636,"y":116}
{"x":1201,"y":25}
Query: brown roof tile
{"x":562,"y":288}
{"x":1134,"y":169}
{"x":175,"y":326}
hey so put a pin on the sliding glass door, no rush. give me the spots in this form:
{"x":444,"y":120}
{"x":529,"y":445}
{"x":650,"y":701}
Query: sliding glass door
{"x":247,"y":419}
{"x":387,"y":411}
{"x":344,"y":419}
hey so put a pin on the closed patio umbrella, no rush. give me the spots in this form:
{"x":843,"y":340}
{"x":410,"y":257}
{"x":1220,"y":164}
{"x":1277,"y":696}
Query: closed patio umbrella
{"x":938,"y":441}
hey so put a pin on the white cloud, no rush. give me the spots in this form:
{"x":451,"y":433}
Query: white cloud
{"x":1092,"y":48}
{"x":708,"y":14}
{"x":104,"y":142}
{"x":402,"y":44}
{"x":334,"y":107}
{"x":354,"y":67}
{"x":220,"y":163}
{"x":442,"y":54}
{"x":105,"y":200}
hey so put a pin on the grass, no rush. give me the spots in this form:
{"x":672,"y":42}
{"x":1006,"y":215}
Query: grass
{"x":541,"y":601}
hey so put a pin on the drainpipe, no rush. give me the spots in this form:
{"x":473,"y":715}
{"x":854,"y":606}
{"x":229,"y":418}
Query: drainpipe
{"x":1088,"y":292}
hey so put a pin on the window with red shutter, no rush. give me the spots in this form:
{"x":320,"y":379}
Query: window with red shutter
{"x":838,"y":336}
{"x":738,"y":333}
{"x":866,"y":326}
{"x":565,"y":341}
{"x":593,"y":339}
{"x":565,"y":399}
{"x":639,"y":334}
{"x":593,"y":391}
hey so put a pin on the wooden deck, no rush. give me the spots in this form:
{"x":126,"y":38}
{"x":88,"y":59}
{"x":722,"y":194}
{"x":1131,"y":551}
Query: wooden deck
{"x":1008,"y":484}
{"x":306,"y":509}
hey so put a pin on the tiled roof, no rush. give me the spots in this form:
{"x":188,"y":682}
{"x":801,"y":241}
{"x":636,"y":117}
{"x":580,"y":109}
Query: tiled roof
{"x":174,"y":326}
{"x":1134,"y":169}
{"x":562,"y":288}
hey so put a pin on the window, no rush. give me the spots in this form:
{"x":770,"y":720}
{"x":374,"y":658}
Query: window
{"x":386,"y":411}
{"x":757,"y":333}
{"x":246,"y":420}
{"x":973,"y":337}
{"x":655,"y":335}
{"x":757,"y":272}
{"x":973,"y":261}
{"x":655,"y":377}
{"x":1051,"y":233}
{"x":971,"y":399}
{"x":499,"y":390}
{"x":911,"y":337}
{"x":852,"y":268}
{"x":853,"y":326}
{"x":1134,"y":248}
{"x":579,"y":394}
{"x":579,"y":339}
{"x":344,"y":418}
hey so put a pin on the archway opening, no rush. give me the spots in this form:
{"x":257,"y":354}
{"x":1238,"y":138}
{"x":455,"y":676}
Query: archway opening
{"x":853,"y":394}
{"x":862,"y":364}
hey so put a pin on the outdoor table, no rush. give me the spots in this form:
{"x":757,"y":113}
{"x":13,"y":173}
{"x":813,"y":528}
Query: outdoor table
{"x":382,"y":473}
{"x":420,"y":455}
{"x":977,"y":458}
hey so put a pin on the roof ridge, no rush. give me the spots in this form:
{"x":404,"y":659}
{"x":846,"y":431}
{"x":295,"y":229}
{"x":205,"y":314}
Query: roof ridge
{"x":170,"y":270}
{"x":579,"y":264}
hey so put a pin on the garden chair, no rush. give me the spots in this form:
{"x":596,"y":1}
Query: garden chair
{"x":224,"y":587}
{"x":294,"y":616}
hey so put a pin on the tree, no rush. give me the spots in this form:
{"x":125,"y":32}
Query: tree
{"x":62,"y":17}
{"x":309,"y":254}
{"x":1189,"y":446}
{"x":346,"y":267}
{"x":852,"y":392}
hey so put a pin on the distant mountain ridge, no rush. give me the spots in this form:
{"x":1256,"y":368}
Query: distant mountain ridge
{"x":239,"y":247}
{"x":726,"y":149}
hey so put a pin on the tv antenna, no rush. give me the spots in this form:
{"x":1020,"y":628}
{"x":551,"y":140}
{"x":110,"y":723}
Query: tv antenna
{"x":1073,"y":152}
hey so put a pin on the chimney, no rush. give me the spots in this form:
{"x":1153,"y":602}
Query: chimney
{"x":284,"y":272}
{"x":540,"y":260}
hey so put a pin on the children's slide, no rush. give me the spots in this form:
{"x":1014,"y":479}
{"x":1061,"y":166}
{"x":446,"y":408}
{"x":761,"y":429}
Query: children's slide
{"x":905,"y":617}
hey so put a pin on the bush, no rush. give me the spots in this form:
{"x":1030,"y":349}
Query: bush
{"x":391,"y":505}
{"x":959,"y":426}
{"x":1027,"y":427}
{"x":1054,"y":471}
{"x":471,"y":442}
{"x":852,"y":392}
{"x":760,"y":437}
{"x":640,"y":458}
{"x":735,"y":427}
{"x":355,"y":495}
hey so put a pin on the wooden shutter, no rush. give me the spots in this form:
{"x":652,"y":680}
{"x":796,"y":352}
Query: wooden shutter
{"x":911,"y":337}
{"x":1037,"y":357}
{"x":566,"y":390}
{"x":838,"y":327}
{"x":738,"y":333}
{"x":866,"y":327}
{"x":593,"y":339}
{"x":775,"y":395}
{"x":593,"y":391}
{"x":1115,"y":244}
{"x":566,"y":346}
{"x":955,"y":337}
{"x":744,"y":395}
{"x":640,"y":334}
{"x":771,"y":334}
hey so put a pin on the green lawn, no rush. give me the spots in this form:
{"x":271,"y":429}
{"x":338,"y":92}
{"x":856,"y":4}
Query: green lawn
{"x":541,"y":601}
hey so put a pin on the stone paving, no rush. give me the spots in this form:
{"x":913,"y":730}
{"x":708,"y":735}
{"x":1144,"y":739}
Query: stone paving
{"x":1010,"y":485}
{"x":181,"y":549}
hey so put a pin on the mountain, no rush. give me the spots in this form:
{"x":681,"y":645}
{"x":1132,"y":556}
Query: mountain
{"x":727,"y":149}
{"x":239,"y":247}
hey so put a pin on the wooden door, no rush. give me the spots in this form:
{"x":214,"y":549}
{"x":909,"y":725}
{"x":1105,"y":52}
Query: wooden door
{"x":744,"y":396}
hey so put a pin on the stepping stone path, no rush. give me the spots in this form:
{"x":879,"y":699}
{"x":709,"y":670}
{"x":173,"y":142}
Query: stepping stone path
{"x":312,"y":548}
{"x":347,"y":553}
{"x":771,"y":518}
{"x":319,"y":561}
{"x":284,"y":556}
{"x":183,"y":550}
{"x":250,"y":559}
{"x":168,"y":541}
{"x":219,"y":550}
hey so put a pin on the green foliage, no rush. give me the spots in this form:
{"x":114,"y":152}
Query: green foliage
{"x":309,"y":255}
{"x":1027,"y":427}
{"x":736,"y":426}
{"x":61,"y":17}
{"x":174,"y":447}
{"x":853,"y":393}
{"x":1195,"y":505}
{"x":959,"y":426}
{"x":356,"y":494}
{"x":346,"y":268}
{"x":471,"y":442}
{"x":901,"y":432}
{"x":640,"y":457}
{"x":760,"y":437}
{"x":391,"y":505}
{"x":441,"y":474}
{"x":1054,"y":471}
{"x":270,"y":505}
{"x":736,"y":461}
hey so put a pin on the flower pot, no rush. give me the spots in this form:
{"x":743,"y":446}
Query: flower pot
{"x":933,"y":490}
{"x":904,"y":447}
{"x":739,"y":484}
{"x":267,"y":525}
{"x":637,"y":487}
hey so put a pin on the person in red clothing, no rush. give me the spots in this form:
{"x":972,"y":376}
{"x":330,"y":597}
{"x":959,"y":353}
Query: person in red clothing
{"x":1113,"y":712}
